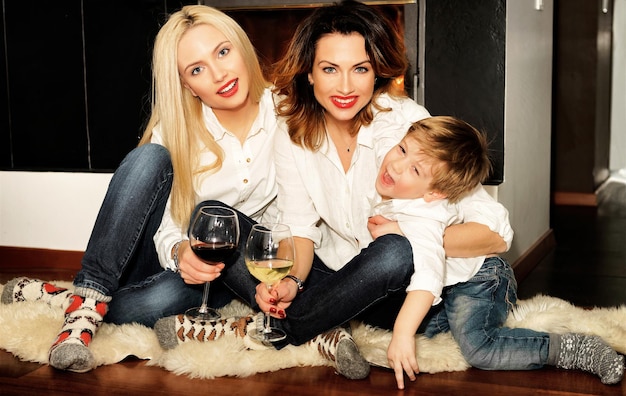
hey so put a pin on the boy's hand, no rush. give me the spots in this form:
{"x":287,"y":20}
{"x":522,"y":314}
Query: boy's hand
{"x":401,"y":356}
{"x":379,"y":226}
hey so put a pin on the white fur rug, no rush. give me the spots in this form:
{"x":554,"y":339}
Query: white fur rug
{"x":28,"y":329}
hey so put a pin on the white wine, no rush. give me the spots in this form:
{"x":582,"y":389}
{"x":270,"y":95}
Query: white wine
{"x":269,"y":271}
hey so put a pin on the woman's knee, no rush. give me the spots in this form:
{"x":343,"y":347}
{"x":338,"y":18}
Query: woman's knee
{"x":391,"y":257}
{"x":149,"y":164}
{"x":149,"y":154}
{"x":395,"y":251}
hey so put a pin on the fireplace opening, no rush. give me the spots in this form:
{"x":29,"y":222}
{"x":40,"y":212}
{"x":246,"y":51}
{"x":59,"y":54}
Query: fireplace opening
{"x":270,"y":24}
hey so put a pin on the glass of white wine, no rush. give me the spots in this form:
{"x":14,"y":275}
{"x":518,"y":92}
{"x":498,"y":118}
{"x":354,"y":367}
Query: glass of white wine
{"x":269,"y":256}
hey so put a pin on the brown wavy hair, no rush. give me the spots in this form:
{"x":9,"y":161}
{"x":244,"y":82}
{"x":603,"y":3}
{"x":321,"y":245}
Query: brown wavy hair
{"x":383,"y":45}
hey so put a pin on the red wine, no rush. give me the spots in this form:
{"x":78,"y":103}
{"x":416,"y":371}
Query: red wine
{"x":215,"y":252}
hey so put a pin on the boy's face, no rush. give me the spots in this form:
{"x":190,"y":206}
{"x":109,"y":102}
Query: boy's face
{"x":406,"y":173}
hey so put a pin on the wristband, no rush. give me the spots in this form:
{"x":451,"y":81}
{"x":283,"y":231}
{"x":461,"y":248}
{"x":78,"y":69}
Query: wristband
{"x":298,"y":282}
{"x":175,"y":256}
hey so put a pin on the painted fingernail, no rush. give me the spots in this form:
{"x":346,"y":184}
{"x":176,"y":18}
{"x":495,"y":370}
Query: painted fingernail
{"x":281,"y":313}
{"x":272,"y":301}
{"x":272,"y":310}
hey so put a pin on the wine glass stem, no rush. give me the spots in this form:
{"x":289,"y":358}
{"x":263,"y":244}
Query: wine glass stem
{"x":205,"y":298}
{"x":268,"y":324}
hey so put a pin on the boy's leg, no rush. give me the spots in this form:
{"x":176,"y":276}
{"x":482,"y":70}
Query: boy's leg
{"x":477,"y":310}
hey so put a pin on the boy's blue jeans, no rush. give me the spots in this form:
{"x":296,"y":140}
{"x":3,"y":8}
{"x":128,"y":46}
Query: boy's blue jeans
{"x":475,"y":311}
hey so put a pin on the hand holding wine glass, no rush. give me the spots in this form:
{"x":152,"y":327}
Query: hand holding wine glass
{"x":269,"y":256}
{"x":213,"y":236}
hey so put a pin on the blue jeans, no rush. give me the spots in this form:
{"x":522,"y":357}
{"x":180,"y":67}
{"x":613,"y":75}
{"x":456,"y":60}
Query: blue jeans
{"x":475,"y":311}
{"x":332,"y":298}
{"x":121,"y":260}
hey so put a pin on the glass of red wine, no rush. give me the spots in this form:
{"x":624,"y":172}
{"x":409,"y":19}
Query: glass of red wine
{"x":213,"y":236}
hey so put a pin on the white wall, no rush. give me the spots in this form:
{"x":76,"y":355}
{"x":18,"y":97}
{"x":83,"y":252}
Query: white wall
{"x":48,"y":209}
{"x":618,"y":99}
{"x":527,"y":118}
{"x":57,"y":210}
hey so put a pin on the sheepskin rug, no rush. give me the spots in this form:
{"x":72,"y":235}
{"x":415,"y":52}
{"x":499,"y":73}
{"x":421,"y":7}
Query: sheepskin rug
{"x":28,"y":329}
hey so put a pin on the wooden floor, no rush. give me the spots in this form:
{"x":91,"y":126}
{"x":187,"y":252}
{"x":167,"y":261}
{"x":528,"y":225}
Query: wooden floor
{"x":588,"y":267}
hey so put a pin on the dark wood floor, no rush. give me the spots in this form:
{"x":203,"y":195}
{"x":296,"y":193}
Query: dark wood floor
{"x":588,"y":267}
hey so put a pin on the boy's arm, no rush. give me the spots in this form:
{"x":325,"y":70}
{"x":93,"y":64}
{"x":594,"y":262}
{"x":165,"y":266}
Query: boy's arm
{"x":401,"y":350}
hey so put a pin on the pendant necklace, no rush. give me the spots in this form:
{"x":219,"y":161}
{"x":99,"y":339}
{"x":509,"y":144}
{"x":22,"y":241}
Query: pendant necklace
{"x":353,"y":138}
{"x":352,"y":142}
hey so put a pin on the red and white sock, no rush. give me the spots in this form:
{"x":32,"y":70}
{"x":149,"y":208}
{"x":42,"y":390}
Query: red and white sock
{"x":26,"y":289}
{"x":83,"y":317}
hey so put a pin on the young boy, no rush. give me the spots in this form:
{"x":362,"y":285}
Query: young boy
{"x":439,"y":161}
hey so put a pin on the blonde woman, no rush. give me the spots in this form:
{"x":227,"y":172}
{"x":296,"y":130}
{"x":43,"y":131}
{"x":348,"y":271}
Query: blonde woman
{"x":209,"y":137}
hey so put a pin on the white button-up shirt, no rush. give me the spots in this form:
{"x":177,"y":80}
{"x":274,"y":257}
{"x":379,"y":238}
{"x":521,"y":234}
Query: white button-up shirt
{"x":321,"y":202}
{"x":246,"y":181}
{"x":424,"y":223}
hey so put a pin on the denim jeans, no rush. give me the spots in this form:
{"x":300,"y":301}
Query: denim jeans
{"x":475,"y":311}
{"x":332,"y":298}
{"x":121,"y":260}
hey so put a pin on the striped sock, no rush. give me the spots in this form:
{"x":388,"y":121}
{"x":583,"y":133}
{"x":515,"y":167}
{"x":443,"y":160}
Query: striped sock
{"x":83,"y":316}
{"x":26,"y":289}
{"x":174,"y":330}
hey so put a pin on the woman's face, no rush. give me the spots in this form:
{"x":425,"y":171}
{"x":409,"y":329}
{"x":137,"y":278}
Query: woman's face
{"x":342,"y":76}
{"x":212,"y":68}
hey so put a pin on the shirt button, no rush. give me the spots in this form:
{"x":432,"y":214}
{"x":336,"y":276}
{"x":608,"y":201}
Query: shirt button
{"x":245,"y":181}
{"x":248,"y":160}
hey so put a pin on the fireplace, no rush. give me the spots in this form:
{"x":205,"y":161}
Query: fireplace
{"x":270,"y":25}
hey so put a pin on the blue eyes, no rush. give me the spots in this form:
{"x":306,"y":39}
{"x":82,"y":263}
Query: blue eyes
{"x":331,"y":69}
{"x":220,"y":54}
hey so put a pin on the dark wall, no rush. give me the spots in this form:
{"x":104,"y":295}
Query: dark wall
{"x":76,"y":81}
{"x":464,"y":67}
{"x":582,"y":94}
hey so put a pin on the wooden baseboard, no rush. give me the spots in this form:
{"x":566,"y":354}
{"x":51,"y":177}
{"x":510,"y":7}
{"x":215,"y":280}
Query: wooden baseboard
{"x":533,"y":256}
{"x":33,"y":258}
{"x":574,"y":199}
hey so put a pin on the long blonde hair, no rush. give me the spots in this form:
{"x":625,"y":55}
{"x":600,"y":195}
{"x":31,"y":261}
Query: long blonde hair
{"x":179,"y":114}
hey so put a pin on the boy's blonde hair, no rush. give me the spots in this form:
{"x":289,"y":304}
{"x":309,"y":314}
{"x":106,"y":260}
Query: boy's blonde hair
{"x":460,"y":149}
{"x":179,"y":114}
